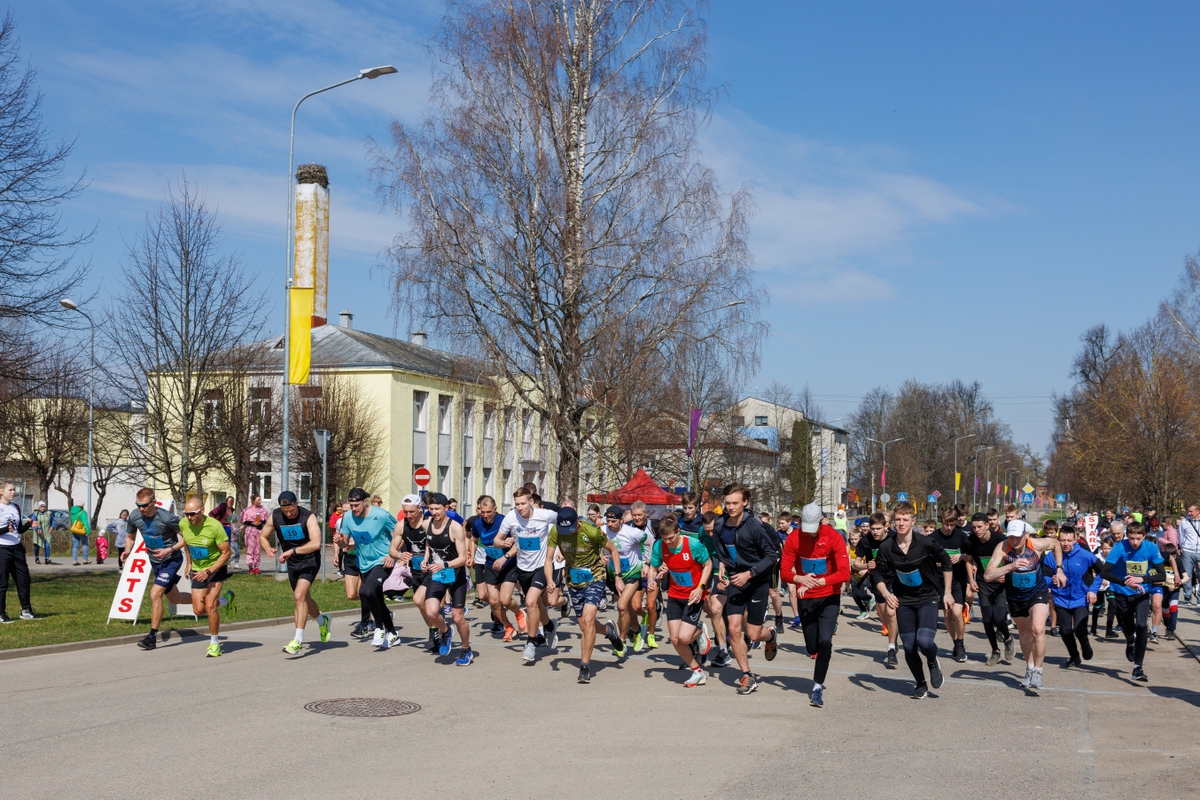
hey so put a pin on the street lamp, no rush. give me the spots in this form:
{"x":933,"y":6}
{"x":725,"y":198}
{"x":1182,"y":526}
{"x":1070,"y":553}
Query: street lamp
{"x":956,"y":441}
{"x":322,"y":440}
{"x":1010,"y":470}
{"x":975,"y":475}
{"x":828,"y":461}
{"x":882,"y":485}
{"x":370,"y":74}
{"x":71,"y":305}
{"x":988,"y":471}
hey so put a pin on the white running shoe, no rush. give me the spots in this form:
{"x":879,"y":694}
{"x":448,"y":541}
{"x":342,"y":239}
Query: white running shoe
{"x":1027,"y":681}
{"x":697,"y":678}
{"x":1035,"y":680}
{"x":377,"y":640}
{"x":703,"y":644}
{"x":530,"y":653}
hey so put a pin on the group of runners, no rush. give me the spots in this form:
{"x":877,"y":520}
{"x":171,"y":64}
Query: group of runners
{"x":714,"y":577}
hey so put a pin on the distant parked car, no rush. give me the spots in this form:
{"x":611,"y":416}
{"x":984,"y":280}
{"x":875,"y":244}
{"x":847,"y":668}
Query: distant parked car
{"x":60,"y":520}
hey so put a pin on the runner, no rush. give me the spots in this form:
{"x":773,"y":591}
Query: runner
{"x":865,"y":559}
{"x":633,"y":546}
{"x":1017,"y":560}
{"x":483,"y":529}
{"x":582,"y":546}
{"x":783,"y":529}
{"x":254,"y":516}
{"x":208,"y":546}
{"x":718,"y":585}
{"x":445,"y":579}
{"x":1132,"y":566}
{"x":918,"y":569}
{"x":367,"y":530}
{"x":299,"y":535}
{"x":687,"y":563}
{"x":954,"y":542}
{"x":749,"y":550}
{"x":160,"y":535}
{"x":993,"y":599}
{"x":347,"y":554}
{"x":641,"y":521}
{"x":1082,"y":569}
{"x":816,"y":563}
{"x":524,"y":534}
{"x":408,"y":547}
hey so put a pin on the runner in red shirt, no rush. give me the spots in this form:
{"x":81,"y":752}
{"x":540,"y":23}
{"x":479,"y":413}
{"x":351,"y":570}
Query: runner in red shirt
{"x":688,"y":563}
{"x":816,"y":562}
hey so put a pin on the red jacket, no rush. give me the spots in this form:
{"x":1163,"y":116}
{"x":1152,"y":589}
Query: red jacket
{"x":828,"y":546}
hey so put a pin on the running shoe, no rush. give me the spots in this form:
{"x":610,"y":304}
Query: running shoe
{"x":323,"y":621}
{"x":1129,"y":652}
{"x":1010,"y":649}
{"x":391,"y":640}
{"x":817,"y":698}
{"x":498,"y":627}
{"x":638,"y":645}
{"x":1085,"y":647}
{"x":1139,"y":675}
{"x":478,"y":603}
{"x":230,"y":603}
{"x":796,"y":623}
{"x":890,"y":661}
{"x":746,"y":684}
{"x":1071,"y":662}
{"x":521,"y":622}
{"x":585,"y":674}
{"x":564,"y":610}
{"x":214,"y":650}
{"x":553,"y":642}
{"x":772,"y":646}
{"x":966,"y":614}
{"x":920,"y":691}
{"x":293,"y":647}
{"x":610,"y":633}
{"x":935,"y":675}
{"x":871,"y":602}
{"x":530,"y":651}
{"x":993,"y":659}
{"x":722,"y":660}
{"x":27,"y":613}
{"x":357,"y":631}
{"x":444,"y":642}
{"x":148,"y":642}
{"x":1053,"y":631}
{"x":1110,"y":634}
{"x":960,"y":653}
{"x":885,"y":630}
{"x":703,"y":643}
{"x":508,"y":633}
{"x":1154,"y":638}
{"x":697,"y":678}
{"x":377,"y":639}
{"x":432,"y":644}
{"x":651,"y":642}
{"x":861,"y":616}
{"x":465,"y":657}
{"x":1035,"y":680}
{"x":779,"y":623}
{"x":1027,"y":681}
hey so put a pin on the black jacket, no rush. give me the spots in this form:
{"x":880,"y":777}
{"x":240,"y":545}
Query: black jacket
{"x":756,"y":545}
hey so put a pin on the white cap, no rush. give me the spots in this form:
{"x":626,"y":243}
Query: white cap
{"x":411,"y":500}
{"x":810,"y":518}
{"x":41,"y":502}
{"x":1015,"y":527}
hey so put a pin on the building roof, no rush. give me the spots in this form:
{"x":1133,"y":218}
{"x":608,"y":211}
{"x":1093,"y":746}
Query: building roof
{"x":799,"y":412}
{"x":335,"y":346}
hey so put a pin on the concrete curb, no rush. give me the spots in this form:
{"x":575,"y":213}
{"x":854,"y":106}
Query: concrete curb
{"x":182,"y":633}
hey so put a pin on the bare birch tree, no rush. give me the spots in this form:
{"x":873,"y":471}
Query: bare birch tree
{"x":556,"y":198}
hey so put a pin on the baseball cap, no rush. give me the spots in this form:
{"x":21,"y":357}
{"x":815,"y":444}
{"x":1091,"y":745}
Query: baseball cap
{"x":41,"y":503}
{"x":436,"y":498}
{"x":810,"y":518}
{"x":411,"y":500}
{"x":979,"y":516}
{"x":1015,"y":527}
{"x":287,"y":497}
{"x":615,"y":512}
{"x":358,"y":494}
{"x":568,"y":520}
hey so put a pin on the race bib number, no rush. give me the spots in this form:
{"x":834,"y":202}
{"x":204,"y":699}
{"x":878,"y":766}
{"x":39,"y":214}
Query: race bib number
{"x":1025,"y":580}
{"x":416,"y":562}
{"x":626,"y":565}
{"x":954,"y":552}
{"x":732,"y":552}
{"x":1138,"y":568}
{"x":198,"y":553}
{"x":493,"y":553}
{"x":912,"y":578}
{"x":814,"y":566}
{"x":682,"y":579}
{"x":445,"y":576}
{"x":292,"y":533}
{"x":579,"y":575}
{"x":529,"y":544}
{"x":153,"y":542}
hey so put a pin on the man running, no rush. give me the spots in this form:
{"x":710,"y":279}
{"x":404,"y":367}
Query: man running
{"x":918,"y":570}
{"x":1072,"y":601}
{"x":954,"y":541}
{"x":993,"y":599}
{"x":208,"y":546}
{"x":582,"y":546}
{"x":865,"y":554}
{"x":715,"y":604}
{"x":1018,"y":561}
{"x":641,"y":521}
{"x":483,"y":528}
{"x":445,"y":578}
{"x":633,"y":548}
{"x":816,"y":563}
{"x":368,"y":530}
{"x":687,"y":563}
{"x":159,"y":529}
{"x":749,"y":550}
{"x":1132,"y":566}
{"x":524,"y":534}
{"x":299,"y":537}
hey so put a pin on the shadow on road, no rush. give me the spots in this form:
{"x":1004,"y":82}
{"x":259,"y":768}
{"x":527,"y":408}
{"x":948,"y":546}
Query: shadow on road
{"x":871,"y":682}
{"x":232,"y":646}
{"x":1186,"y":695}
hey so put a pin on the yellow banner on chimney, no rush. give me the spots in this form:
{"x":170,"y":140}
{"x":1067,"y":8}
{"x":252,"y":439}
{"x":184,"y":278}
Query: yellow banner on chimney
{"x":300,"y":327}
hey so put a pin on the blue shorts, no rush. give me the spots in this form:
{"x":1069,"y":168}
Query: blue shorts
{"x":590,"y":595}
{"x":167,"y":574}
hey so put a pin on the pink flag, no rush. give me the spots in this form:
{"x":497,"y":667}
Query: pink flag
{"x":693,"y":429}
{"x":976,"y":484}
{"x":883,"y":478}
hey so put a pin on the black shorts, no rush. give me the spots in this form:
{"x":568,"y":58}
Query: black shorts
{"x":991,"y":594}
{"x":436,"y":590}
{"x":880,"y":600}
{"x":681,"y":610}
{"x":958,"y":590}
{"x":775,"y":576}
{"x":1020,"y":608}
{"x":487,"y":574}
{"x":559,"y":576}
{"x":305,"y":570}
{"x":350,"y":565}
{"x":220,"y":576}
{"x":750,"y":600}
{"x":531,"y":580}
{"x":712,"y":586}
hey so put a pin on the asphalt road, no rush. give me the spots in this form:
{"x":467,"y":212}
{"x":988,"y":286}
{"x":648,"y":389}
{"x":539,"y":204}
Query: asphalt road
{"x":120,"y":722}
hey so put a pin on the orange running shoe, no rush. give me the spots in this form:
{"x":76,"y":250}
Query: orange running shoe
{"x":521,"y":622}
{"x":885,"y":631}
{"x":508,"y":633}
{"x":966,"y":614}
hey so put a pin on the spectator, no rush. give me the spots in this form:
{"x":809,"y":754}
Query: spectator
{"x":253,"y":518}
{"x":225,"y":513}
{"x":1170,"y":534}
{"x":12,"y":552}
{"x":43,"y":533}
{"x":1189,"y":551}
{"x":80,"y":527}
{"x":118,"y":529}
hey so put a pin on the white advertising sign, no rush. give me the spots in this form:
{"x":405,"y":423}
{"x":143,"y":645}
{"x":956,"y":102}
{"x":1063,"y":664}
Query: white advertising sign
{"x":137,"y":574}
{"x":1090,"y":524}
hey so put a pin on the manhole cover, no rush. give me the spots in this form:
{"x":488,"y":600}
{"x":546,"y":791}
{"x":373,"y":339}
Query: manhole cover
{"x":363,"y":707}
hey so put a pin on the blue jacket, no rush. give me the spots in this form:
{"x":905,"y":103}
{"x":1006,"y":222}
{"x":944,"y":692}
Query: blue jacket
{"x":1076,"y":565}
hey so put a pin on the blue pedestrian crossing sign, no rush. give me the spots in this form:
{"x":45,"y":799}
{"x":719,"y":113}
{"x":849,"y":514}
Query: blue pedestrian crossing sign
{"x":931,"y":499}
{"x":1060,"y":498}
{"x":901,"y":497}
{"x":1027,"y":498}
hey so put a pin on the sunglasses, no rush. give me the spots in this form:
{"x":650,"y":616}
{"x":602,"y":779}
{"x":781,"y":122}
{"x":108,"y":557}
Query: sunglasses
{"x":145,"y":505}
{"x":190,"y":514}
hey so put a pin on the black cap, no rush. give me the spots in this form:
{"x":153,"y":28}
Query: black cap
{"x":568,"y":520}
{"x":287,"y":498}
{"x":615,"y":512}
{"x":358,"y":494}
{"x":979,"y":516}
{"x":436,"y":498}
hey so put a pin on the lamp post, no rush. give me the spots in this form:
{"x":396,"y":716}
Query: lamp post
{"x":956,"y":441}
{"x":370,"y":74}
{"x":988,"y":473}
{"x":975,"y":475}
{"x":322,"y":440}
{"x":1007,"y":472}
{"x":71,"y":305}
{"x":882,"y":485}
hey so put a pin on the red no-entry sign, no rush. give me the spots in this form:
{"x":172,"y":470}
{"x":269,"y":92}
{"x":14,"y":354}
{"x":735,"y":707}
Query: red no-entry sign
{"x":422,"y":477}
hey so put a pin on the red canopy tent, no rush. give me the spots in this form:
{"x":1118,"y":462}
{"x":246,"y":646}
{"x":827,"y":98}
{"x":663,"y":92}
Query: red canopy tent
{"x":640,"y":487}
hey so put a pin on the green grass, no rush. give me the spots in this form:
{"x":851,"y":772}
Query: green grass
{"x":73,"y":608}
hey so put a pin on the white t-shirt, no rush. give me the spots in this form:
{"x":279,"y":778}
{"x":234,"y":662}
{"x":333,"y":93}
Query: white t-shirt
{"x":531,"y":535}
{"x":10,"y":521}
{"x":633,"y":544}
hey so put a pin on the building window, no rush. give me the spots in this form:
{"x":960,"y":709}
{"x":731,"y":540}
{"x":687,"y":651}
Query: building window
{"x":445,"y":403}
{"x":761,"y":422}
{"x":310,"y":404}
{"x":260,"y":480}
{"x":305,"y":487}
{"x":212,"y":409}
{"x":260,"y":405}
{"x":488,"y":488}
{"x":441,"y":479}
{"x":489,"y":422}
{"x":467,"y":496}
{"x":739,"y":422}
{"x":420,"y":411}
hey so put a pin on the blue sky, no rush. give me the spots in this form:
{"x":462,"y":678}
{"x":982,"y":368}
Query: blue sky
{"x":944,"y":190}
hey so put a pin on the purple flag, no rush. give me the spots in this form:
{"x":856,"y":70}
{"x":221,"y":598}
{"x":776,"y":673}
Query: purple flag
{"x":976,"y":484}
{"x":693,"y":429}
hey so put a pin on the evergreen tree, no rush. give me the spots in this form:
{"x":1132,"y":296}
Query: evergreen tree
{"x":803,"y":472}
